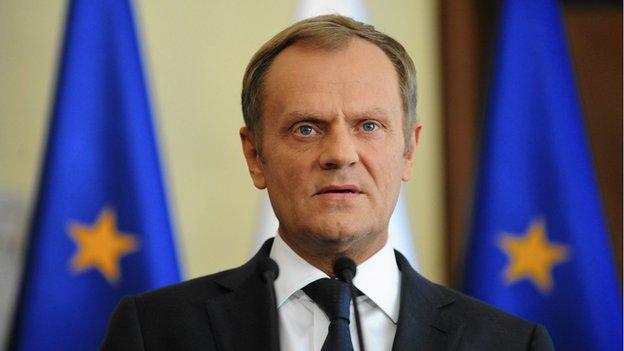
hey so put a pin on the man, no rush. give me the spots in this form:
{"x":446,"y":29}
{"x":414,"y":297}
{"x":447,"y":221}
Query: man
{"x":330,"y":132}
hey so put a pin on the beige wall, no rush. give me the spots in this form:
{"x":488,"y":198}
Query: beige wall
{"x":195,"y":53}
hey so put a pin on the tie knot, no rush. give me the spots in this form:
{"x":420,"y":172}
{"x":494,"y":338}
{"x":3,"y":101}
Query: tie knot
{"x":332,"y":296}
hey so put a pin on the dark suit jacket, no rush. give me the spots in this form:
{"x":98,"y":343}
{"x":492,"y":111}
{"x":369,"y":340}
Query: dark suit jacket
{"x":229,"y":311}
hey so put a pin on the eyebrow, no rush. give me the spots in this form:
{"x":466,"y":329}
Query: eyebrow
{"x":375,"y":112}
{"x":303,"y":115}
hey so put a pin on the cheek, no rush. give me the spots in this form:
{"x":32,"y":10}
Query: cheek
{"x":286,"y":171}
{"x":385,"y":164}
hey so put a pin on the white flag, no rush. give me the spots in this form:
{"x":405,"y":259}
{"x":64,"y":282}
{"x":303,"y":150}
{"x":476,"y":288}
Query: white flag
{"x":350,"y":8}
{"x":399,"y":232}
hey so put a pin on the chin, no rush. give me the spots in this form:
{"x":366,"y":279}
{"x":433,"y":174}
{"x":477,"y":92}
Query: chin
{"x":342,"y":231}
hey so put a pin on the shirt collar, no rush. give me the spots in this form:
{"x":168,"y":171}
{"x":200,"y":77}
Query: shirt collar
{"x":378,"y":277}
{"x":294,"y":272}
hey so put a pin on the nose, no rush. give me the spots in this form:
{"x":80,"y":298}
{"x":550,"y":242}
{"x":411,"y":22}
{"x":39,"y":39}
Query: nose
{"x":339,"y":149}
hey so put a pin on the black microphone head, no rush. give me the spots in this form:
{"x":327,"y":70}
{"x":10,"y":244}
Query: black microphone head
{"x":267,"y":268}
{"x":344,"y":268}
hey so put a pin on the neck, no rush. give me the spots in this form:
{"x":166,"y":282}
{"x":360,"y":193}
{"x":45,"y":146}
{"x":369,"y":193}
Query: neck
{"x":324,"y":252}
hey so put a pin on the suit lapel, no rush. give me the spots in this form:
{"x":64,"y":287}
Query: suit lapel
{"x":239,"y":317}
{"x":423,"y":323}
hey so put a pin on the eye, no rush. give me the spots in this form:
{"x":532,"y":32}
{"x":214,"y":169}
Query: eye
{"x":305,"y":130}
{"x":369,"y":126}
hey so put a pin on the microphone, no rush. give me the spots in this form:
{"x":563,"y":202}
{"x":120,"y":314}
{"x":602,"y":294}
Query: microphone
{"x":344,"y":268}
{"x":268,"y":272}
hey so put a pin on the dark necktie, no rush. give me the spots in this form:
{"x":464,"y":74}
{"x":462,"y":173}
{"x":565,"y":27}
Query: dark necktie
{"x":334,"y":298}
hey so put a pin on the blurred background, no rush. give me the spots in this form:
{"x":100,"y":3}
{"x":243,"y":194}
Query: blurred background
{"x":594,"y":35}
{"x":194,"y":55}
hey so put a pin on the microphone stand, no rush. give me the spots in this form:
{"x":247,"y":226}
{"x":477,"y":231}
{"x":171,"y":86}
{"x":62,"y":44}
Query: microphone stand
{"x":269,"y":271}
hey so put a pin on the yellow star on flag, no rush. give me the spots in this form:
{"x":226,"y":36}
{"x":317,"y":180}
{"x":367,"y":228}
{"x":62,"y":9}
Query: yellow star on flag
{"x":532,"y":256}
{"x":101,"y":246}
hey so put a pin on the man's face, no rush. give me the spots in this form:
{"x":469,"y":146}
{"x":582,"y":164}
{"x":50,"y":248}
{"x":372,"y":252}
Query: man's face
{"x":333,"y":145}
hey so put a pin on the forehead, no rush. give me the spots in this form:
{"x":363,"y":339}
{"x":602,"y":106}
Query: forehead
{"x":356,"y":76}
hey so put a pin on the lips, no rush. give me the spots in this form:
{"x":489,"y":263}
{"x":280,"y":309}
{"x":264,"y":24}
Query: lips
{"x":345,"y":189}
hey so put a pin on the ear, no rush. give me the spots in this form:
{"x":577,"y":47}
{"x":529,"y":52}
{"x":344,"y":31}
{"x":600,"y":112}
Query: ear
{"x":410,"y":153}
{"x":253,"y":158}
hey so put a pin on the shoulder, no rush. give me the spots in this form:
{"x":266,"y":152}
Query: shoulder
{"x":485,"y":324}
{"x":476,"y":313}
{"x":487,"y":327}
{"x":173,"y":315}
{"x":195,"y":292}
{"x":477,"y":324}
{"x":461,"y":306}
{"x":190,"y":292}
{"x":184,"y":298}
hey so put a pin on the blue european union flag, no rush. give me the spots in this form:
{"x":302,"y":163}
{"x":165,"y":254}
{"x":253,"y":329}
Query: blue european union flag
{"x":539,"y":247}
{"x":101,"y":226}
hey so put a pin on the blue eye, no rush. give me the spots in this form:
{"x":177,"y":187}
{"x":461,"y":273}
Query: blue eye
{"x":369,"y":126}
{"x":305,"y":130}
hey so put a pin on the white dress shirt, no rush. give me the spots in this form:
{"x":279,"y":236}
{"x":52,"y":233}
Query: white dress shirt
{"x":303,"y":325}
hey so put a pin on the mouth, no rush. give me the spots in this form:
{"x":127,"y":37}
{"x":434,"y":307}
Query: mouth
{"x":344,"y":190}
